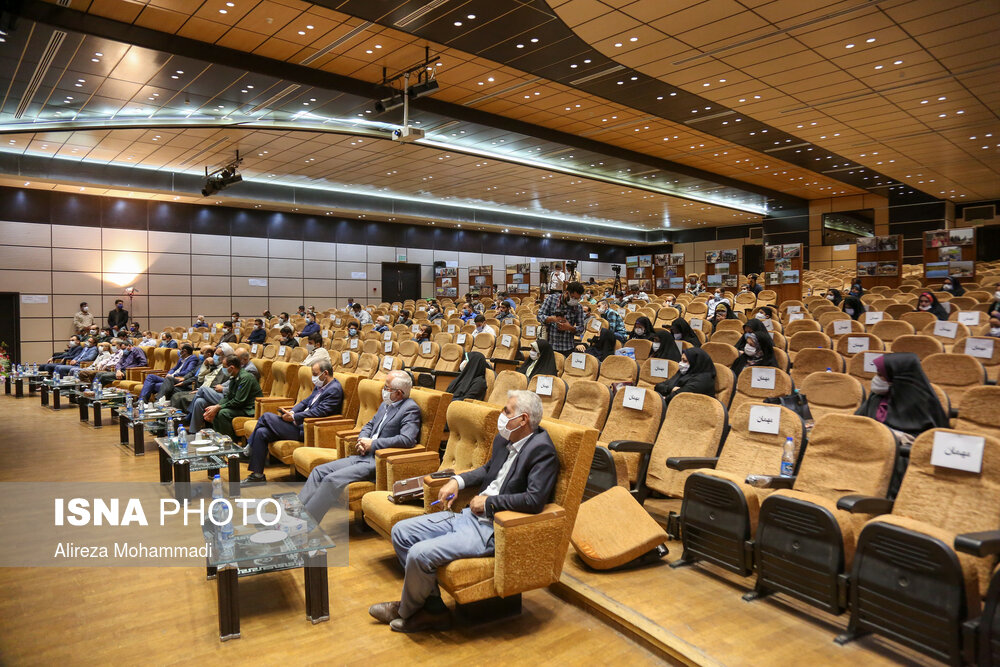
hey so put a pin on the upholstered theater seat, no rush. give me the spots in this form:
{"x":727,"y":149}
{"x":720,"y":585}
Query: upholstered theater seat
{"x":612,"y":530}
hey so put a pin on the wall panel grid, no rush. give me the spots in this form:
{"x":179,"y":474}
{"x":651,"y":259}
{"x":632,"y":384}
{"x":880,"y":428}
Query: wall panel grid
{"x":180,"y":276}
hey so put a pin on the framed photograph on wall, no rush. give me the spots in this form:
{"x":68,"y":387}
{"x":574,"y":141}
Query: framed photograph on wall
{"x":867,"y":244}
{"x":645,"y":260}
{"x":887,"y":243}
{"x":714,"y":280}
{"x":887,"y":269}
{"x":772,"y":252}
{"x":632,"y":262}
{"x":961,"y":269}
{"x":713,"y":256}
{"x":964,"y":236}
{"x":728,"y":255}
{"x":936,"y":269}
{"x":675,"y":258}
{"x":867,"y":268}
{"x":791,"y":250}
{"x":938,"y":238}
{"x":676,"y":283}
{"x":789,"y":277}
{"x":949,"y":253}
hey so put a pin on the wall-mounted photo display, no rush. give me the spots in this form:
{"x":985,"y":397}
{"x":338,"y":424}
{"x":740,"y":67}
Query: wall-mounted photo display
{"x":949,"y":253}
{"x":790,"y":250}
{"x":640,"y":273}
{"x":524,"y":268}
{"x":722,"y":267}
{"x":675,"y":258}
{"x":714,"y":280}
{"x":782,"y":264}
{"x":772,"y":278}
{"x":936,"y":269}
{"x":730,"y":279}
{"x":646,"y":285}
{"x":946,"y":237}
{"x":663,"y":283}
{"x":645,"y":260}
{"x":445,"y":272}
{"x":789,"y":277}
{"x":473,"y":271}
{"x":887,"y":269}
{"x":961,"y":269}
{"x":632,"y":262}
{"x":676,"y":283}
{"x":772,"y":252}
{"x":867,"y":268}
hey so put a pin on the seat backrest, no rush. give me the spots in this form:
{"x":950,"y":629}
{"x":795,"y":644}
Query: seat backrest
{"x":853,"y":343}
{"x":654,"y":371}
{"x":369,"y":398}
{"x":626,"y":422}
{"x":450,"y":358}
{"x":946,"y":332}
{"x":643,"y":348}
{"x":506,"y":381}
{"x":727,"y":336}
{"x":388,"y":363}
{"x":798,"y":326}
{"x":433,"y":413}
{"x":552,"y":402}
{"x":919,"y":319}
{"x":587,"y":403}
{"x":890,"y":330}
{"x":408,"y":352}
{"x":427,"y":355}
{"x":571,"y":367}
{"x":367,"y":365}
{"x":979,"y":411}
{"x":725,"y":384}
{"x":918,"y":344}
{"x":829,"y":393}
{"x":372,"y":346}
{"x":264,"y":368}
{"x":809,"y":339}
{"x":954,"y":500}
{"x":693,"y":426}
{"x":846,"y":455}
{"x":506,"y":345}
{"x":298,"y":355}
{"x":304,"y":378}
{"x":484,"y":344}
{"x":472,"y":425}
{"x":279,"y":379}
{"x":721,"y":353}
{"x":349,"y":385}
{"x":617,"y":368}
{"x":955,"y":373}
{"x":985,"y":349}
{"x":812,"y":360}
{"x":748,"y":452}
{"x":746,"y":392}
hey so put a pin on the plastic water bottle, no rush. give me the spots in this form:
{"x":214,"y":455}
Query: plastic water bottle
{"x":226,"y":540}
{"x":34,"y":368}
{"x":128,"y":404}
{"x":829,"y":370}
{"x":142,"y":409}
{"x":170,"y":426}
{"x":216,"y":486}
{"x":99,"y":391}
{"x":55,"y":376}
{"x":788,"y":458}
{"x":218,"y":510}
{"x":182,"y":442}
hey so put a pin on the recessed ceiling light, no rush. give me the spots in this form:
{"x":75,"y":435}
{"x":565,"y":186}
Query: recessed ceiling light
{"x":618,"y":45}
{"x":849,"y":46}
{"x":898,"y":62}
{"x":223,"y":11}
{"x":180,"y":71}
{"x":870,"y":40}
{"x":99,"y":54}
{"x":534,"y":40}
{"x":309,"y":27}
{"x":458,"y":24}
{"x":520,"y":46}
{"x":471,"y":17}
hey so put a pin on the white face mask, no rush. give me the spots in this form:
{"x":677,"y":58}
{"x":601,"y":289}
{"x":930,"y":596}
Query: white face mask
{"x":502,"y":422}
{"x":85,"y":309}
{"x":927,"y":307}
{"x":533,"y":354}
{"x":830,"y":297}
{"x":386,"y":394}
{"x":750,"y":350}
{"x":761,"y":316}
{"x":639,"y":331}
{"x":683,"y":367}
{"x":996,"y":295}
{"x":573,"y":302}
{"x":461,"y":366}
{"x":225,"y":330}
{"x":656,"y":345}
{"x":995,"y":331}
{"x":317,"y":381}
{"x":678,"y":336}
{"x":946,"y":288}
{"x":310,"y":347}
{"x":880,"y":385}
{"x":718,"y":295}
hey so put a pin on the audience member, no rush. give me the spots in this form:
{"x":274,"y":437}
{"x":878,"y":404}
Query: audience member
{"x":470,"y":384}
{"x":317,"y":353}
{"x":929,"y":303}
{"x":167,"y":340}
{"x":718,"y":297}
{"x":695,"y":374}
{"x":109,"y":356}
{"x":131,"y":357}
{"x":174,"y":382}
{"x":540,"y":361}
{"x":239,"y":400}
{"x":362,"y":315}
{"x":118,"y":316}
{"x":562,"y":318}
{"x":756,"y":347}
{"x":83,"y":319}
{"x":228,"y":335}
{"x":212,"y":373}
{"x":187,"y":361}
{"x":258,"y":334}
{"x":288,"y":338}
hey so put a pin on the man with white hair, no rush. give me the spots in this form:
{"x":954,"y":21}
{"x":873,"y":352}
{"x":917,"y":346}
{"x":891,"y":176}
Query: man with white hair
{"x":520,"y":476}
{"x":396,"y":424}
{"x":206,"y":397}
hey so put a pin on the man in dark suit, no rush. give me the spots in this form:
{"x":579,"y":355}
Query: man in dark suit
{"x":396,"y":424}
{"x":520,"y":476}
{"x":187,"y":361}
{"x":325,"y":400}
{"x":118,"y":317}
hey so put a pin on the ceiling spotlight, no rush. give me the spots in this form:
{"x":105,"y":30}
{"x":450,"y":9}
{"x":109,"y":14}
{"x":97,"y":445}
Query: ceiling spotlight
{"x":220,"y":179}
{"x":389,"y":103}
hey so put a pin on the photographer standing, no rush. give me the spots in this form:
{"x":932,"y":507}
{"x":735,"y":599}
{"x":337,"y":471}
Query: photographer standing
{"x":562,"y":316}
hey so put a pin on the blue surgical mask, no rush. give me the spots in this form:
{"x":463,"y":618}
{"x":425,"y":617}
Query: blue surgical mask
{"x":218,"y":358}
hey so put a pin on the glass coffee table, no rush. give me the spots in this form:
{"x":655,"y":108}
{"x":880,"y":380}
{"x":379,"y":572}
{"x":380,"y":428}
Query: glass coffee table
{"x":213,"y":452}
{"x":65,"y":387}
{"x":153,"y":421}
{"x":92,"y":410}
{"x":14,"y":384}
{"x":296,"y":541}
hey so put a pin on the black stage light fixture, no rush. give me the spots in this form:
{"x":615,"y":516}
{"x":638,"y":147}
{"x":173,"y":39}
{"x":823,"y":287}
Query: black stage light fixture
{"x":422,"y":88}
{"x":220,"y":179}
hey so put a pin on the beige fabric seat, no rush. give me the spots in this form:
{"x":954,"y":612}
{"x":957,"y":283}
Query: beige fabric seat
{"x":472,"y":426}
{"x":747,"y":393}
{"x":283,"y":449}
{"x":616,"y":368}
{"x":918,"y":344}
{"x":587,"y":404}
{"x":812,"y":360}
{"x":648,"y":380}
{"x":956,"y":374}
{"x":552,"y":403}
{"x":571,"y":373}
{"x":979,"y":411}
{"x":806,"y":340}
{"x":725,"y":384}
{"x":721,"y":353}
{"x":832,"y":393}
{"x":504,"y":382}
{"x":327,"y":435}
{"x":694,"y":425}
{"x":628,"y":423}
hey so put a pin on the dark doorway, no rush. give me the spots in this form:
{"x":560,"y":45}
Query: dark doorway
{"x":753,"y":260}
{"x":10,"y":324}
{"x":400,"y":281}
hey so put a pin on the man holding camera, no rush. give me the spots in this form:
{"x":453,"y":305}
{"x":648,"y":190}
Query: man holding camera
{"x":562,"y":316}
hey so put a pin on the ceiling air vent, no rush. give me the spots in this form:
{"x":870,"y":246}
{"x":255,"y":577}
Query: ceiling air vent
{"x":419,"y":14}
{"x":44,"y":62}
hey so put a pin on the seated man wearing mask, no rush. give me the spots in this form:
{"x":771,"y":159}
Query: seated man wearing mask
{"x":210,"y":374}
{"x":239,"y":401}
{"x":519,"y":477}
{"x":504,"y":313}
{"x":396,"y":424}
{"x":131,"y":357}
{"x":326,"y":399}
{"x":174,"y":382}
{"x":282,"y":321}
{"x":563,"y":318}
{"x":86,"y":356}
{"x":615,"y":321}
{"x":717,"y":297}
{"x":314,"y":346}
{"x":210,"y":396}
{"x":352,"y":329}
{"x":228,"y":336}
{"x":381,"y":324}
{"x":187,"y":361}
{"x":311,"y":326}
{"x":362,"y":315}
{"x":73,"y":351}
{"x":107,"y":358}
{"x":288,"y":337}
{"x":257,"y":334}
{"x":200,"y":322}
{"x":167,"y":340}
{"x":434,"y":312}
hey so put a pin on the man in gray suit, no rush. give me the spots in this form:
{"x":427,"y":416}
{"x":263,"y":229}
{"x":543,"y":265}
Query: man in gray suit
{"x":520,"y":476}
{"x":396,"y":424}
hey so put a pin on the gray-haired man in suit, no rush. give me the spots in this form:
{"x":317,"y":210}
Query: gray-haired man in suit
{"x":396,"y":424}
{"x":520,"y":476}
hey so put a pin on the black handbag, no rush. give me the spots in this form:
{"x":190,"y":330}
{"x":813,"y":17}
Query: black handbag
{"x":797,"y":403}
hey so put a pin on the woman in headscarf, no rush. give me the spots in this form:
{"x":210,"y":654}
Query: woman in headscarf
{"x":902,"y":398}
{"x":665,"y":346}
{"x":540,"y":361}
{"x":928,"y":303}
{"x":853,"y":305}
{"x":953,"y":285}
{"x":695,"y":374}
{"x":601,"y":346}
{"x":681,"y":330}
{"x":722,"y":312}
{"x":856,"y":286}
{"x":642,"y":328}
{"x":834,"y":296}
{"x":756,"y":347}
{"x":470,"y":384}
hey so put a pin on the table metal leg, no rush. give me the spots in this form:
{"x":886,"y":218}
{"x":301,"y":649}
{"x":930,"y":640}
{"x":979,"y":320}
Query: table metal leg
{"x":123,"y":424}
{"x":19,"y":388}
{"x":84,"y":412}
{"x":182,"y":479}
{"x":227,"y":583}
{"x":45,"y":395}
{"x":317,"y":588}
{"x":96,"y":408}
{"x":166,"y":471}
{"x":233,"y":461}
{"x":138,"y":439}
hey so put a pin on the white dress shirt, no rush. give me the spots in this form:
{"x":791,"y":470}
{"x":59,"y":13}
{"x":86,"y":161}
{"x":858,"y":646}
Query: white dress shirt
{"x":513,"y":449}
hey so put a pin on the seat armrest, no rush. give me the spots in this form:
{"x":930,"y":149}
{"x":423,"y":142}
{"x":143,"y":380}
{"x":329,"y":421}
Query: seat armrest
{"x":345,"y":442}
{"x":529,"y":549}
{"x":265,"y":404}
{"x":691,"y":462}
{"x":953,"y":413}
{"x":451,"y":374}
{"x":325,"y":434}
{"x":985,"y":543}
{"x":771,"y":481}
{"x":406,"y":464}
{"x":630,"y":446}
{"x":865,"y":504}
{"x":382,"y":459}
{"x":421,"y":369}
